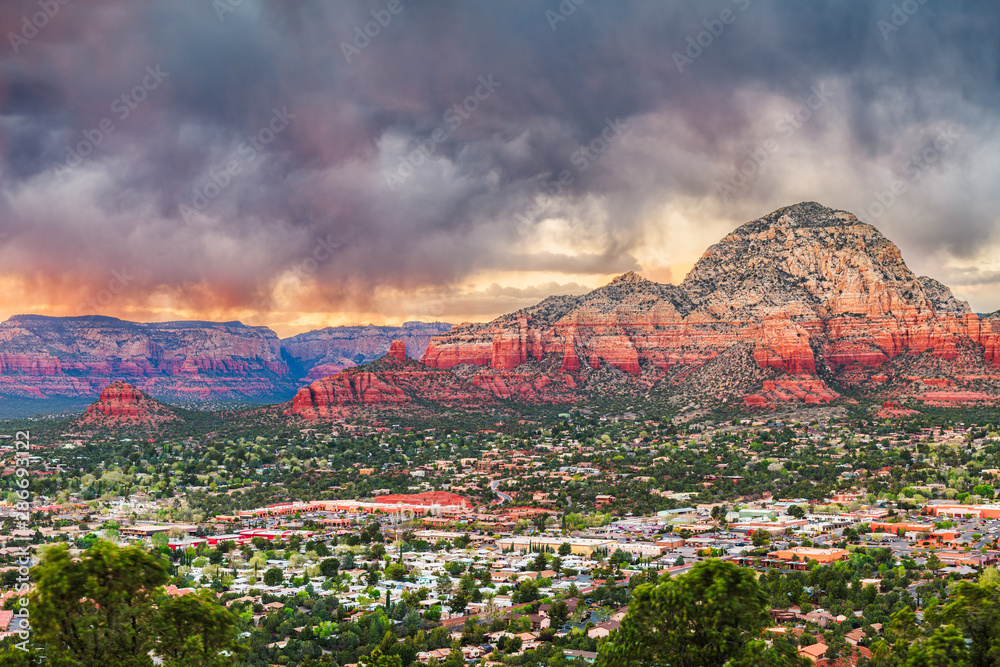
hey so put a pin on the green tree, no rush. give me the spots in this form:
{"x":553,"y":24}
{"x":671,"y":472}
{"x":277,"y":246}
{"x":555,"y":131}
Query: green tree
{"x":882,"y":655}
{"x":395,"y":572}
{"x":459,"y":602}
{"x":328,"y":567}
{"x":903,"y":629}
{"x":96,"y":610}
{"x":526,"y":591}
{"x":273,"y":576}
{"x":944,"y":648}
{"x":984,"y":490}
{"x":933,"y":563}
{"x":559,"y":613}
{"x":106,"y":608}
{"x":194,"y":631}
{"x":705,"y":617}
{"x":379,"y":659}
{"x":779,"y":654}
{"x":975,"y":610}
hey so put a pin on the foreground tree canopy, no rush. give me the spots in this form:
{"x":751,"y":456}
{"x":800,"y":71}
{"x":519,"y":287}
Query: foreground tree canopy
{"x":107,"y":608}
{"x":713,"y":615}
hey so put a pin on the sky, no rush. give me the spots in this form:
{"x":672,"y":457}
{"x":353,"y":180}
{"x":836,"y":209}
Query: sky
{"x":309,"y":164}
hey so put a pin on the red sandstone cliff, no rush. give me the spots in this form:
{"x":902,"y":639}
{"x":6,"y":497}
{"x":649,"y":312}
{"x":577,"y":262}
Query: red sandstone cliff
{"x":77,"y":356}
{"x":392,"y":382}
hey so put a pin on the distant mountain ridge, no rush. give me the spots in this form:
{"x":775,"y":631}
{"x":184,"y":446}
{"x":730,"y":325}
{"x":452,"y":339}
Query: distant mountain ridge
{"x":322,"y":352}
{"x":43,"y":356}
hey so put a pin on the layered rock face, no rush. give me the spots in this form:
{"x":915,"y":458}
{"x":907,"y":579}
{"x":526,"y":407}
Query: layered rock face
{"x":392,"y":382}
{"x":120,"y":404}
{"x":814,"y":295}
{"x":42,"y":356}
{"x":77,"y":356}
{"x":323,"y":352}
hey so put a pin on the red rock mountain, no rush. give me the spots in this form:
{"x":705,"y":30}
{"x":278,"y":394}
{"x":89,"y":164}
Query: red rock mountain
{"x":121,"y":404}
{"x":393,"y":382}
{"x":795,"y":306}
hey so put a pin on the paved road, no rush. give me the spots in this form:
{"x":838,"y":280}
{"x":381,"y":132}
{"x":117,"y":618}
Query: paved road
{"x":503,"y":497}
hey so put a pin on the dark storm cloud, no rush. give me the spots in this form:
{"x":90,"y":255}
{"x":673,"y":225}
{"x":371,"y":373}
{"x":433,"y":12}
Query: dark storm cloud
{"x":199,"y":195}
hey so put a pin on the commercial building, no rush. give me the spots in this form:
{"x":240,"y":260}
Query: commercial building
{"x":810,"y":553}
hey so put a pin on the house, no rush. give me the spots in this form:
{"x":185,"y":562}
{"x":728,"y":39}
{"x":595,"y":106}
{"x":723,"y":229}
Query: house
{"x":539,"y":621}
{"x":855,"y":636}
{"x":814,"y":652}
{"x":584,"y":657}
{"x":603,"y":629}
{"x":438,"y":653}
{"x":472,"y":652}
{"x":7,"y":623}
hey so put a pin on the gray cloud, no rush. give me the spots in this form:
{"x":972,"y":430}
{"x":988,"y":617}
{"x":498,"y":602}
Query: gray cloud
{"x":475,"y":204}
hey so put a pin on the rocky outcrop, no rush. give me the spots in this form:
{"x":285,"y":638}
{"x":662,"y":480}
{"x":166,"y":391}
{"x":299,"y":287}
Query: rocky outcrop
{"x":398,"y":350}
{"x":817,"y":298}
{"x":892,"y":410}
{"x":323,"y":352}
{"x":943,"y":300}
{"x":122,"y":405}
{"x":988,"y":329}
{"x":393,"y":382}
